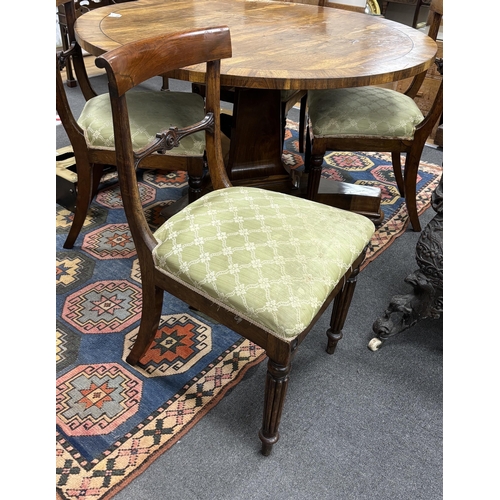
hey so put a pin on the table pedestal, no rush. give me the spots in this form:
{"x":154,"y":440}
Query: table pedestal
{"x":426,"y":299}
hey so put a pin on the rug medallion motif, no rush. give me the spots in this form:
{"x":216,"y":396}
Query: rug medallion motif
{"x":112,"y":241}
{"x":93,"y":400}
{"x":180,"y":342}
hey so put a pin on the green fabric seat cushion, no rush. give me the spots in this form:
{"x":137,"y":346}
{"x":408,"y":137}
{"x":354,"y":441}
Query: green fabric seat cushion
{"x":272,"y":258}
{"x":363,"y":112}
{"x":149,"y":112}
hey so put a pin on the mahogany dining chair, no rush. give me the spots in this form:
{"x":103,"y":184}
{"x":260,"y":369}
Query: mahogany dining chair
{"x":91,"y":133}
{"x":265,"y":264}
{"x":374,"y":119}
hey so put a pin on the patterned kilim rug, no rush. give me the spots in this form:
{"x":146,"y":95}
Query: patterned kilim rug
{"x":113,"y":420}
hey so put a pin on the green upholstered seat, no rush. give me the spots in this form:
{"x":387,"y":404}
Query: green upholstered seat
{"x":263,"y":253}
{"x":363,"y":112}
{"x":149,"y":112}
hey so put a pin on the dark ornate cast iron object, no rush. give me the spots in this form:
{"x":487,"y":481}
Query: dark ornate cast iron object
{"x":426,"y":299}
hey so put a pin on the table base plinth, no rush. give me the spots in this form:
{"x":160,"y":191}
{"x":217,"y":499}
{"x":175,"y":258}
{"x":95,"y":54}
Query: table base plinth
{"x":364,"y":200}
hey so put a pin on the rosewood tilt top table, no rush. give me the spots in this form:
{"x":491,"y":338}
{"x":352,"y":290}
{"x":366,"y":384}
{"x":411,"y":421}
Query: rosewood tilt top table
{"x":276,"y":46}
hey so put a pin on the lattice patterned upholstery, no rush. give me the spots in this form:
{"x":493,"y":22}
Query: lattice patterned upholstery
{"x":363,"y":111}
{"x":149,"y":112}
{"x":263,"y":253}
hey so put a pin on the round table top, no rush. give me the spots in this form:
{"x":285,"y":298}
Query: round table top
{"x":276,"y":45}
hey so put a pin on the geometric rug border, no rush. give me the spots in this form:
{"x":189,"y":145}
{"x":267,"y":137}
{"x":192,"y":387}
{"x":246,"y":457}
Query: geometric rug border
{"x":89,"y":465}
{"x":108,"y":493}
{"x":158,"y":453}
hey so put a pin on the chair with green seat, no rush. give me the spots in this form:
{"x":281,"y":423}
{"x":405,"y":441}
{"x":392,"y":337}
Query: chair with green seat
{"x":265,"y":264}
{"x":374,"y":119}
{"x":289,"y":98}
{"x":91,"y":133}
{"x":370,"y":119}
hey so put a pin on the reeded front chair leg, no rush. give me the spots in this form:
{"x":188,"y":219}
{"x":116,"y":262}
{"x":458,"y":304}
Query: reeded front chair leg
{"x":275,"y":392}
{"x":152,"y":301}
{"x":341,"y":306}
